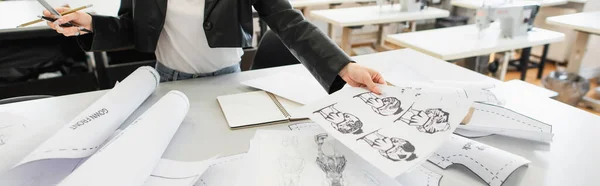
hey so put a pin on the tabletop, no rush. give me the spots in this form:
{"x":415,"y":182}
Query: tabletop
{"x":570,"y":160}
{"x":586,"y":21}
{"x":475,"y":4}
{"x":366,"y":15}
{"x":467,"y":41}
{"x":24,"y":11}
{"x":306,"y":3}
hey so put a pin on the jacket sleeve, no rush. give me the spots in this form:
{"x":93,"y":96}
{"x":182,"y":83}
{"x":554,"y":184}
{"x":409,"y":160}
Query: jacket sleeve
{"x":323,"y":58}
{"x":110,"y":33}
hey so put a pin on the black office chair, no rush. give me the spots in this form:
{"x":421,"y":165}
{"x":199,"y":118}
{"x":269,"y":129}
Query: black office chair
{"x":22,"y":98}
{"x":272,"y":52}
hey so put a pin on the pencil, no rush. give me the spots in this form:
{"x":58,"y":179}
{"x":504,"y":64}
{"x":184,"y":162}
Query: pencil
{"x":64,"y":13}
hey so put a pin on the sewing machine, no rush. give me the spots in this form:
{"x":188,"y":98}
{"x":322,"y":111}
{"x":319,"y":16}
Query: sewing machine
{"x":516,"y":19}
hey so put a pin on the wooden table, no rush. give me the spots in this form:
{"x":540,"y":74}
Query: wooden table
{"x":585,"y":23}
{"x":349,"y":18}
{"x":467,"y":41}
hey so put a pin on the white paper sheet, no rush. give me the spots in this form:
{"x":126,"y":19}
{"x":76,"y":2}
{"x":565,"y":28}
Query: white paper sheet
{"x":19,"y":136}
{"x":293,"y":158}
{"x":86,"y":132}
{"x":223,"y":172}
{"x":499,"y":120}
{"x":492,"y":165}
{"x":177,"y":173}
{"x":471,"y":134}
{"x":420,"y":176}
{"x":297,"y":88}
{"x":139,"y":147}
{"x":250,"y":108}
{"x":395,"y":131}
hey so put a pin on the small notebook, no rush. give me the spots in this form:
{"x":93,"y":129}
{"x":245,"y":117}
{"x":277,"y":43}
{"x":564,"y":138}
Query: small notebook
{"x":257,"y":108}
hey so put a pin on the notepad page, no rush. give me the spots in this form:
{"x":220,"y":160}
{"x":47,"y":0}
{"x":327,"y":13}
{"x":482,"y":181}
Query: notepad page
{"x":249,"y":108}
{"x":291,"y":107}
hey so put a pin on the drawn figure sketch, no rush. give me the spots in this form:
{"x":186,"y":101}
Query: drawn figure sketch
{"x":332,"y":165}
{"x":345,"y":123}
{"x":392,"y":148}
{"x":383,"y":106}
{"x":427,"y":121}
{"x":290,"y":166}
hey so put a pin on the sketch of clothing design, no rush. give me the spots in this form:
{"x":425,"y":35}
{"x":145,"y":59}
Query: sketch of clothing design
{"x":345,"y":123}
{"x":383,"y":106}
{"x":9,"y":130}
{"x":290,"y":168}
{"x":392,"y":148}
{"x":332,"y":165}
{"x":428,"y":121}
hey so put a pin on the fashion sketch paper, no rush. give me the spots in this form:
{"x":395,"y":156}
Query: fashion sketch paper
{"x":83,"y":135}
{"x":395,"y":131}
{"x":492,"y":165}
{"x":139,"y":147}
{"x":297,"y":158}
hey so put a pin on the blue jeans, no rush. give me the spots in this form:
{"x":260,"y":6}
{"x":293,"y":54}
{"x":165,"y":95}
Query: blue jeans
{"x":168,"y":74}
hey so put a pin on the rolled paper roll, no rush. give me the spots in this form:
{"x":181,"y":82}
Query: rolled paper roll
{"x":130,"y":158}
{"x":83,"y":135}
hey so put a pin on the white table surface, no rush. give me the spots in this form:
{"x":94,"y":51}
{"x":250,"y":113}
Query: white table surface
{"x":578,"y":1}
{"x":475,"y":4}
{"x":570,"y":160}
{"x":25,"y":11}
{"x":586,"y":21}
{"x":306,"y":3}
{"x":367,"y":15}
{"x":467,"y":41}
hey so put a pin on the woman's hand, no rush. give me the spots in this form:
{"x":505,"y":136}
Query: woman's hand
{"x":358,"y":76}
{"x":81,"y":19}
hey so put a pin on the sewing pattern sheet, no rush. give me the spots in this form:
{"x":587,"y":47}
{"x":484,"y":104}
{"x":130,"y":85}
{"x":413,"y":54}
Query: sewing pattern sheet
{"x":139,"y":146}
{"x":500,"y":120}
{"x":395,"y":131}
{"x":177,"y":173}
{"x":86,"y":132}
{"x":420,"y":176}
{"x":223,"y":172}
{"x":293,"y":158}
{"x":492,"y":165}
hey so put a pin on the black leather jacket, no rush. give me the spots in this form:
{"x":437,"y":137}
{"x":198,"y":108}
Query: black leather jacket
{"x":227,"y":23}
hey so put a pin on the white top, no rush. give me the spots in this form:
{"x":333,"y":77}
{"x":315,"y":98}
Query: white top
{"x":585,"y":21}
{"x":182,"y":44}
{"x":305,"y":3}
{"x":366,"y":15}
{"x":571,"y":159}
{"x":467,"y":41}
{"x":475,"y":4}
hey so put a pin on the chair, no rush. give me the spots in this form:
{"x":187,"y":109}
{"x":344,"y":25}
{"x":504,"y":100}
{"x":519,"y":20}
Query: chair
{"x":272,"y":52}
{"x":22,"y":98}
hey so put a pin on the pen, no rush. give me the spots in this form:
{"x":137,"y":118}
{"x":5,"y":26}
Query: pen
{"x":64,"y":25}
{"x":64,"y":13}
